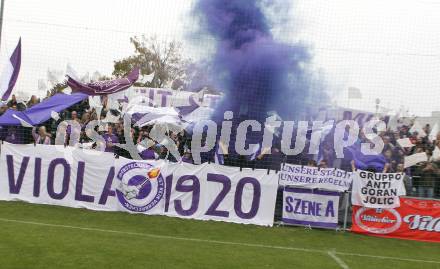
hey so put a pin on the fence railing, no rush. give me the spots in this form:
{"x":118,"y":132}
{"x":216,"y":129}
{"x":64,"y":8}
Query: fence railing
{"x":344,"y":210}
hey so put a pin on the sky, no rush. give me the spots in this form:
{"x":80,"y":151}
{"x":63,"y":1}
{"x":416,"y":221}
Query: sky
{"x":390,"y":50}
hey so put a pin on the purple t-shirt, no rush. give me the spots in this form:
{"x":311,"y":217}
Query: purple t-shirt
{"x":13,"y":138}
{"x":186,"y":159}
{"x":110,"y":138}
{"x":148,"y":154}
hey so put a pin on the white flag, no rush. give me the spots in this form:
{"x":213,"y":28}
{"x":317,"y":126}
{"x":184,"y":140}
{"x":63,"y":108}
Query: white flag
{"x":96,"y":76}
{"x":54,"y":76}
{"x":110,"y":118}
{"x":405,"y":143}
{"x":71,"y":72}
{"x":434,"y":132}
{"x":67,"y":91}
{"x":415,"y":159}
{"x":54,"y":115}
{"x":436,"y":154}
{"x":354,"y":93}
{"x":95,"y":101}
{"x":147,"y":78}
{"x":42,"y":86}
{"x":86,"y":78}
{"x":417,"y":128}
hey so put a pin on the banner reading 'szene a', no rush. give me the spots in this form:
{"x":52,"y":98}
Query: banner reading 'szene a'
{"x":95,"y":180}
{"x":414,"y":219}
{"x":315,"y":208}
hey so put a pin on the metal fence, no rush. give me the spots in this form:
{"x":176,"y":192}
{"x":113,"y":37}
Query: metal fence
{"x":419,"y":183}
{"x":344,"y":210}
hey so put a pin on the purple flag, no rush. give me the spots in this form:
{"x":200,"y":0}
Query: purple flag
{"x":105,"y":86}
{"x":362,"y":161}
{"x":41,"y":112}
{"x":10,"y":75}
{"x":256,"y":151}
{"x":218,"y":157}
{"x":185,"y":110}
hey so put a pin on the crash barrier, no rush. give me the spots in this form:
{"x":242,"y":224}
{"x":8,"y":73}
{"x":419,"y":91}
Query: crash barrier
{"x":80,"y":178}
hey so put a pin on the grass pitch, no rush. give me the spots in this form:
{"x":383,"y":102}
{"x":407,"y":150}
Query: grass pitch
{"x":40,"y":236}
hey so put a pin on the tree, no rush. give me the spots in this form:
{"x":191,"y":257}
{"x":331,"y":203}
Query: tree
{"x":162,"y":58}
{"x":57,"y":88}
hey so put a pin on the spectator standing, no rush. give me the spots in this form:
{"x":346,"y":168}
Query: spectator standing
{"x":3,"y":109}
{"x":187,"y":157}
{"x":42,"y":137}
{"x":270,"y":158}
{"x":323,"y":164}
{"x":74,"y":116}
{"x":34,"y":100}
{"x":13,"y":102}
{"x":407,"y":180}
{"x":425,"y":184}
{"x":149,"y":154}
{"x":13,"y":137}
{"x":110,"y":139}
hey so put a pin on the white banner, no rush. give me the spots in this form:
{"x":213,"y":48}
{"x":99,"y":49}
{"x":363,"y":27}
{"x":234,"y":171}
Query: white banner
{"x":308,"y":207}
{"x":162,"y":97}
{"x":377,"y":190}
{"x":73,"y":177}
{"x":314,"y":178}
{"x":57,"y":175}
{"x":216,"y":192}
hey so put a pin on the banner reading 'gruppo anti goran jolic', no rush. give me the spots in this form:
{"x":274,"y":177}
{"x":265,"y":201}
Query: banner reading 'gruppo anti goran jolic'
{"x":72,"y":177}
{"x":415,"y":219}
{"x":377,"y":190}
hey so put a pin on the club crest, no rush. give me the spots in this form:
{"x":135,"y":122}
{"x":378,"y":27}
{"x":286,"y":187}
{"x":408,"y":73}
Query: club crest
{"x":141,"y":186}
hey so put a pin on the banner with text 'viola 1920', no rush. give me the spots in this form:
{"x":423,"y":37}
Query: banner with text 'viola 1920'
{"x":95,"y":180}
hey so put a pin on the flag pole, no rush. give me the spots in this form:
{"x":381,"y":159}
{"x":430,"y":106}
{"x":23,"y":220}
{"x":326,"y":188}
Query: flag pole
{"x":1,"y":20}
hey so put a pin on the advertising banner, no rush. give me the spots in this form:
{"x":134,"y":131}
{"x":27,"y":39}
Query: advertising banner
{"x":415,"y":219}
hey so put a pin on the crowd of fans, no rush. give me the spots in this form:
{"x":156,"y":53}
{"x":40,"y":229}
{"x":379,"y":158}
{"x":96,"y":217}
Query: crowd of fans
{"x":422,"y":180}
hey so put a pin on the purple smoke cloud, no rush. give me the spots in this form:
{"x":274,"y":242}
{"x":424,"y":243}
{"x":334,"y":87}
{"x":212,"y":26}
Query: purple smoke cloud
{"x":257,"y":73}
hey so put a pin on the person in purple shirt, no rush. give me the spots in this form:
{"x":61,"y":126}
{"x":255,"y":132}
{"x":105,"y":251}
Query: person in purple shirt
{"x":149,"y":154}
{"x":13,"y":137}
{"x":3,"y":132}
{"x":110,"y":139}
{"x":187,"y":157}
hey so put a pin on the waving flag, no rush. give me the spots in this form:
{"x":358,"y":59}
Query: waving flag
{"x":70,"y":71}
{"x":354,"y":93}
{"x":362,"y":161}
{"x":186,"y":110}
{"x":55,"y":76}
{"x":105,"y":86}
{"x":10,"y":73}
{"x":218,"y":156}
{"x":256,"y":150}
